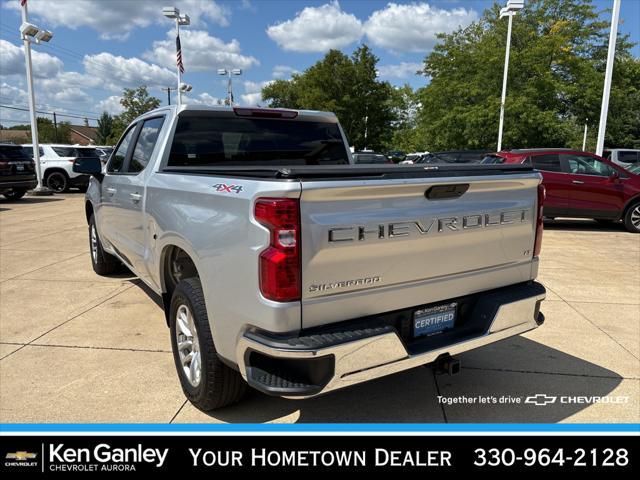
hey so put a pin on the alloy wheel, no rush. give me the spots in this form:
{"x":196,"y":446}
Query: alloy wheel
{"x":57,"y":182}
{"x":188,"y":345}
{"x":635,"y":217}
{"x":94,"y":244}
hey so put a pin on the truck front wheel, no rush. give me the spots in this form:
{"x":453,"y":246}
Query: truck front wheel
{"x":206,"y":381}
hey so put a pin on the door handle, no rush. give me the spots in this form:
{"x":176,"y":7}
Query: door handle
{"x":111,"y":191}
{"x":135,"y":197}
{"x":578,"y":182}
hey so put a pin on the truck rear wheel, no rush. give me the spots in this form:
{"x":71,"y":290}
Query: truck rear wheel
{"x":206,"y":381}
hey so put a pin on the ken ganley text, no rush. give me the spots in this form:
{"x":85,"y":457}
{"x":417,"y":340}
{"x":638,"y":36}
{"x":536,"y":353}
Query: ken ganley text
{"x":262,"y":457}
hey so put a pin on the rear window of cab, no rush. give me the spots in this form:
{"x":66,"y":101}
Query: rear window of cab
{"x":209,"y":140}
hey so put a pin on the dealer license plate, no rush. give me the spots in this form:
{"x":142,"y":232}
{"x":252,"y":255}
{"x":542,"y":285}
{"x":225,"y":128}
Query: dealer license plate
{"x":433,"y":320}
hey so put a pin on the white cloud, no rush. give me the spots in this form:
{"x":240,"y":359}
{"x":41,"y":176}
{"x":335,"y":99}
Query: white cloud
{"x":201,"y":52}
{"x":283,"y":71}
{"x":70,"y":96}
{"x":403,"y":70}
{"x":126,"y":72}
{"x":53,"y":85}
{"x":203,"y":99}
{"x":317,"y":29}
{"x":12,"y":95}
{"x":413,"y":27}
{"x":116,"y":19}
{"x":12,"y":61}
{"x":67,"y":91}
{"x":251,"y":98}
{"x":16,"y":96}
{"x":248,"y":5}
{"x":253,"y":92}
{"x":110,"y":105}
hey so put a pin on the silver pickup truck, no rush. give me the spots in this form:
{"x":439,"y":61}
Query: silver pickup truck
{"x":284,"y":266}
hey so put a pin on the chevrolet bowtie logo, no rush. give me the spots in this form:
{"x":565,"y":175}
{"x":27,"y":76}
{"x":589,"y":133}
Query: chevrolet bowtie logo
{"x":21,"y":456}
{"x":540,"y":399}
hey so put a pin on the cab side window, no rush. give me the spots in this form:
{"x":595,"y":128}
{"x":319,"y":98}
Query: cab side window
{"x":546,"y":163}
{"x":118,"y":157}
{"x":145,"y":144}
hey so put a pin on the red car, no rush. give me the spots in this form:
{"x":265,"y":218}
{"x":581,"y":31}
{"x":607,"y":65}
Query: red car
{"x":581,"y":184}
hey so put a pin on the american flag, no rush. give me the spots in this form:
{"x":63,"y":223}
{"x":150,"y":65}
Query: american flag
{"x":178,"y":54}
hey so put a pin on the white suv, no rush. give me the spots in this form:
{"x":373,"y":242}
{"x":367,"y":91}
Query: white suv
{"x":56,"y":161}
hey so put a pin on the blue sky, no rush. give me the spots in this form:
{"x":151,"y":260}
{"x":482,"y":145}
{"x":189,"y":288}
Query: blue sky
{"x":102,"y":46}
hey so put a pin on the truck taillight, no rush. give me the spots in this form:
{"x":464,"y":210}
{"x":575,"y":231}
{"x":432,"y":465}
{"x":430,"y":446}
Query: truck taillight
{"x":539,"y":220}
{"x":279,"y":264}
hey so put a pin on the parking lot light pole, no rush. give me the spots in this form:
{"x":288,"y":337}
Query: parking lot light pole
{"x":180,"y":19}
{"x":229,"y":72}
{"x":509,"y":11}
{"x":30,"y":33}
{"x":611,"y":53}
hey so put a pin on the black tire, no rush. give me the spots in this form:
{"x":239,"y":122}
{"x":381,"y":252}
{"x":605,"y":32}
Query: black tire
{"x":632,"y":218}
{"x":218,"y":385}
{"x":15,"y":193}
{"x":58,"y":181}
{"x":102,"y":262}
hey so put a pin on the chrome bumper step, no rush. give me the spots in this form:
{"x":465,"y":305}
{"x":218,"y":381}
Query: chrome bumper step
{"x":305,"y":366}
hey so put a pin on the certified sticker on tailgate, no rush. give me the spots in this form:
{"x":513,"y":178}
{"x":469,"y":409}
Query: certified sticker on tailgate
{"x":432,"y":320}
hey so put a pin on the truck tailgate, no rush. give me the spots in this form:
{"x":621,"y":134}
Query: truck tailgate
{"x":372,"y":246}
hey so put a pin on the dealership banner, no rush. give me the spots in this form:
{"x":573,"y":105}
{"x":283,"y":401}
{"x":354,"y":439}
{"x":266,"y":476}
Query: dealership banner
{"x":410,"y":454}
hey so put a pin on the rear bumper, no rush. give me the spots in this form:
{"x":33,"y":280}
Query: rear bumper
{"x":305,"y":366}
{"x":28,"y":184}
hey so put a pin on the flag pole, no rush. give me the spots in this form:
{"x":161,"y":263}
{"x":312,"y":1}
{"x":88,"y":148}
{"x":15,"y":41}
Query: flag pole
{"x":179,"y":52}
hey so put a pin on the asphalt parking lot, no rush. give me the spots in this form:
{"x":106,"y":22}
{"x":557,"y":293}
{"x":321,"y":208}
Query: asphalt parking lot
{"x":76,"y":347}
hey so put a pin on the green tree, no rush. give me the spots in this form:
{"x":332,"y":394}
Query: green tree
{"x":105,"y":128}
{"x":556,"y":75}
{"x":119,"y":126}
{"x":346,"y":86}
{"x":48,"y":133}
{"x":405,"y":106}
{"x":136,"y":101}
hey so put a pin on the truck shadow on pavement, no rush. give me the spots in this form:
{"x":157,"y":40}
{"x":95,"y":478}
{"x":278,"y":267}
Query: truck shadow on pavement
{"x":494,"y":386}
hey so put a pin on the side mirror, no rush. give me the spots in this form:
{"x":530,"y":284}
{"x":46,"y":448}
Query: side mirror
{"x":89,"y":166}
{"x":615,"y":175}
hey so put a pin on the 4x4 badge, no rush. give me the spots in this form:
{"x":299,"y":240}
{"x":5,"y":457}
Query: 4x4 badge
{"x":224,"y":188}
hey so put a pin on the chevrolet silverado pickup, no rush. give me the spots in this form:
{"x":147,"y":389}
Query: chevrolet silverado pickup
{"x":284,"y":266}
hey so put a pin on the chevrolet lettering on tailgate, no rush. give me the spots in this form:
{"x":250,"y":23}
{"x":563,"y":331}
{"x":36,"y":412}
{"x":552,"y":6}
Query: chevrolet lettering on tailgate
{"x":433,"y":225}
